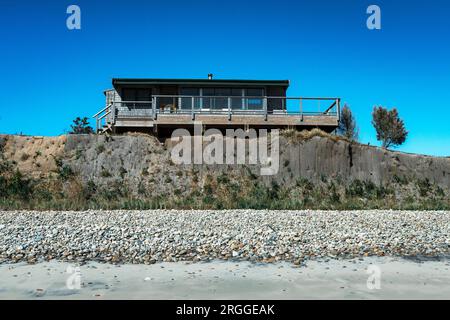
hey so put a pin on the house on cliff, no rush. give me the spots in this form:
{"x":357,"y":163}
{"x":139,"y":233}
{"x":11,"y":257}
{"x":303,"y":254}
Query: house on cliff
{"x":162,"y":105}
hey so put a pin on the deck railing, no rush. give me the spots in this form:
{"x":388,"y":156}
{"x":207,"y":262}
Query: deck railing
{"x":218,"y":105}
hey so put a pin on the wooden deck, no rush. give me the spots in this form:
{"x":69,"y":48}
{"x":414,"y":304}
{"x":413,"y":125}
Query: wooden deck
{"x":223,"y":120}
{"x":152,"y":116}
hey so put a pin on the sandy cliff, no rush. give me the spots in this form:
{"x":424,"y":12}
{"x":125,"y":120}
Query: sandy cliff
{"x":142,"y":164}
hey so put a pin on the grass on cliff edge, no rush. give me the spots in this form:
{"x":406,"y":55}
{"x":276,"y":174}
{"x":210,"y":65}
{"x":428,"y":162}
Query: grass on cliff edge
{"x":218,"y":192}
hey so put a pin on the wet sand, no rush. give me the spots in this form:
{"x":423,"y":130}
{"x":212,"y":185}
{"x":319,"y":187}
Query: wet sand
{"x":334,"y":279}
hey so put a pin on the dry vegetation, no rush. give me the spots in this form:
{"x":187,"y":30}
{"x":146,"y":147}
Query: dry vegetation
{"x":296,"y":136}
{"x":44,"y":179}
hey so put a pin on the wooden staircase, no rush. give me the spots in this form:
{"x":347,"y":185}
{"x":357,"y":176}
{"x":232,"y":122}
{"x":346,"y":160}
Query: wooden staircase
{"x":102,"y":124}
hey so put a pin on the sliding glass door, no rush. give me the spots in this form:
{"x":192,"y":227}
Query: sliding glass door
{"x":218,"y":98}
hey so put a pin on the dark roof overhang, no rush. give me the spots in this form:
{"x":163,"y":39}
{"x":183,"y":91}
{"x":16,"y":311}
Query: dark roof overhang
{"x":203,"y":82}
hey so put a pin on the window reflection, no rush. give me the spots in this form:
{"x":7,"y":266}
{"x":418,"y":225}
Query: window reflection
{"x":217,"y":98}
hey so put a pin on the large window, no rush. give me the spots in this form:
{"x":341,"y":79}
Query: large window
{"x":217,"y":98}
{"x":186,"y":102}
{"x":254,"y":102}
{"x":132,"y":96}
{"x":237,"y":103}
{"x":222,"y":101}
{"x":207,"y":100}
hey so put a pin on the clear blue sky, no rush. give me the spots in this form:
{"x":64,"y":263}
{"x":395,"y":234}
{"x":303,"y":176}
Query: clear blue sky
{"x":50,"y":75}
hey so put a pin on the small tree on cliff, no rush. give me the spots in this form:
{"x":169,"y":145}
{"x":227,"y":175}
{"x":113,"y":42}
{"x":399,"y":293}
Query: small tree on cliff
{"x":80,"y":126}
{"x":390,"y":128}
{"x":347,"y":124}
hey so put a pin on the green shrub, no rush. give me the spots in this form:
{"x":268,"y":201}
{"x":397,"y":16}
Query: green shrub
{"x":42,"y":194}
{"x":440,"y":192}
{"x":3,"y":187}
{"x":58,"y":162}
{"x":424,"y":187}
{"x":389,"y":127}
{"x":89,"y":190}
{"x":304,"y":183}
{"x":141,"y":188}
{"x":208,"y":189}
{"x":19,"y":186}
{"x":65,"y":172}
{"x":223,"y":178}
{"x":81,"y":126}
{"x":355,"y":188}
{"x":366,"y":189}
{"x":334,"y":195}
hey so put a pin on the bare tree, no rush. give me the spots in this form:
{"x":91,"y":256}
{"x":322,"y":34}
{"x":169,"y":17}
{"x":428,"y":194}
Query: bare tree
{"x":80,"y":126}
{"x":347,"y":124}
{"x":390,"y":128}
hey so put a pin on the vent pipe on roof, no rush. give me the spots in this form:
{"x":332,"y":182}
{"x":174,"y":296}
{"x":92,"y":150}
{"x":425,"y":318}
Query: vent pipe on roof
{"x":210,"y":76}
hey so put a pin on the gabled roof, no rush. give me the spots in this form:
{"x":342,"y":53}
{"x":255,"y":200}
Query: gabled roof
{"x":153,"y":81}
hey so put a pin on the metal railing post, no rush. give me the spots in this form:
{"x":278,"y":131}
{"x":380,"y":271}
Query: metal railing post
{"x":113,"y":109}
{"x":265,"y":108}
{"x":154,"y":107}
{"x":229,"y":108}
{"x":338,"y":101}
{"x":301,"y":109}
{"x":192,"y":106}
{"x":174,"y":104}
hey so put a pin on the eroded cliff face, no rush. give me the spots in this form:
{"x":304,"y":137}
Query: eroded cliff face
{"x":321,"y":157}
{"x":141,"y":161}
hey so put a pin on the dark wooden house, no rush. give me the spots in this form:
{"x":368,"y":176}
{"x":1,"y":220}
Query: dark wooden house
{"x":162,"y":105}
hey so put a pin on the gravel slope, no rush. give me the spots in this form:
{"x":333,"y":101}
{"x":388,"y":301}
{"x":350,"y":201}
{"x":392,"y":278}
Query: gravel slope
{"x":159,"y":235}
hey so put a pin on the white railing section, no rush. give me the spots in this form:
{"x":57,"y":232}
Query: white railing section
{"x":217,"y":105}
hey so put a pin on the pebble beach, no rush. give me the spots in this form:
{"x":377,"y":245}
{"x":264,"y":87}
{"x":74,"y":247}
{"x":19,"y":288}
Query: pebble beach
{"x":233,"y":254}
{"x":148,"y":237}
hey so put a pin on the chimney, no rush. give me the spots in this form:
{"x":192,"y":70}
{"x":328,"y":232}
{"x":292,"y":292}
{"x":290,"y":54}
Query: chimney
{"x":210,"y":76}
